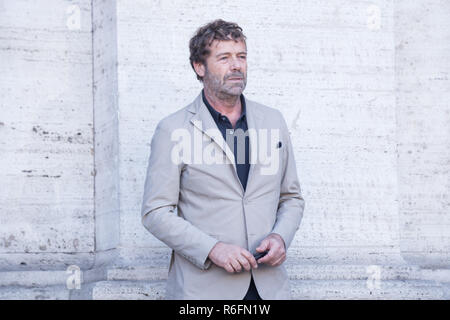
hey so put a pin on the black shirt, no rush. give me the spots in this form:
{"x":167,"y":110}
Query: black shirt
{"x":240,"y":147}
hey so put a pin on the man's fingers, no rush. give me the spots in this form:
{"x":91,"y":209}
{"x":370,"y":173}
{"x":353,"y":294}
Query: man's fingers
{"x":263,"y":246}
{"x":279,"y":261}
{"x":267,"y":258}
{"x":272,"y":256}
{"x":236,"y":265}
{"x":244,"y":263}
{"x":250,"y":259}
{"x":276,"y":253}
{"x":229,"y":268}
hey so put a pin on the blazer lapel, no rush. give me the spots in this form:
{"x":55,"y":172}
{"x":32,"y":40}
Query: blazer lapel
{"x":254,"y":120}
{"x":203,"y":120}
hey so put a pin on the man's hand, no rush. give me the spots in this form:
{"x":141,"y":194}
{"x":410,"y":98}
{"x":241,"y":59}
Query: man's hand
{"x":276,"y":247}
{"x":231,"y":257}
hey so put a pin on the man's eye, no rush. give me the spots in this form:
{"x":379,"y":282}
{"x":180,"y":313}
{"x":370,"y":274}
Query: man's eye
{"x":223,"y":58}
{"x":243,"y":57}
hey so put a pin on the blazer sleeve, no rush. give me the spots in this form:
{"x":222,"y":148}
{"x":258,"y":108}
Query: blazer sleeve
{"x":161,"y":192}
{"x":291,"y":203}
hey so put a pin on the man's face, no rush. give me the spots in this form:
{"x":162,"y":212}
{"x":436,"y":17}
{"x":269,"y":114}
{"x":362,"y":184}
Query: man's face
{"x":225,"y":72}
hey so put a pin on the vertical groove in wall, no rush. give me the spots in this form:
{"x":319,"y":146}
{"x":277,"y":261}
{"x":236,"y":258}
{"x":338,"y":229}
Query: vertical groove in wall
{"x":105,"y":106}
{"x":397,"y":176}
{"x":93,"y":121}
{"x":116,"y":139}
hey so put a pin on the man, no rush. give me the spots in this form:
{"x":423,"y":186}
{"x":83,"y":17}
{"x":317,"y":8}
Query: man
{"x":218,"y":203}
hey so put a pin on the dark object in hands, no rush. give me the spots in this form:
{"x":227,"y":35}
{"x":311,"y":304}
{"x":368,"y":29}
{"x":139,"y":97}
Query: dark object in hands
{"x":259,"y":255}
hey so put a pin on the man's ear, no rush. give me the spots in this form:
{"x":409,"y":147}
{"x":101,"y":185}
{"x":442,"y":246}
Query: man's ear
{"x":199,"y":68}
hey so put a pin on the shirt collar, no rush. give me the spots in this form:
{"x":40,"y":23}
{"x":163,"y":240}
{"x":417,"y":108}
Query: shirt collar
{"x":215,"y":114}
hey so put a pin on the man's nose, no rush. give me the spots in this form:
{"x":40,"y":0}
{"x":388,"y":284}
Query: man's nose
{"x":236,"y":64}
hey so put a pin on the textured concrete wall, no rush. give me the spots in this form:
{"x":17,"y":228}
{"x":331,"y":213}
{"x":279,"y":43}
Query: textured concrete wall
{"x":363,"y":88}
{"x":327,"y":65}
{"x":46,"y":134}
{"x":423,"y":93}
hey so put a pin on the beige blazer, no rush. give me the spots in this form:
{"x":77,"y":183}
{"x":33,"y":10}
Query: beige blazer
{"x":190,"y":202}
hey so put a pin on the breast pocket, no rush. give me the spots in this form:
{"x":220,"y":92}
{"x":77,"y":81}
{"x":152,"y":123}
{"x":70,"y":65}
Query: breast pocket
{"x":271,"y":162}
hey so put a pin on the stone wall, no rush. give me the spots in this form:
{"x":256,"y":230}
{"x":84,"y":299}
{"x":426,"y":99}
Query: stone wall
{"x":423,"y":126}
{"x":46,"y":135}
{"x":361,"y":84}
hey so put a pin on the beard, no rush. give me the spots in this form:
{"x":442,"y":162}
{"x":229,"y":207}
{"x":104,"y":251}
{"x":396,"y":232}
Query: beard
{"x":225,"y":87}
